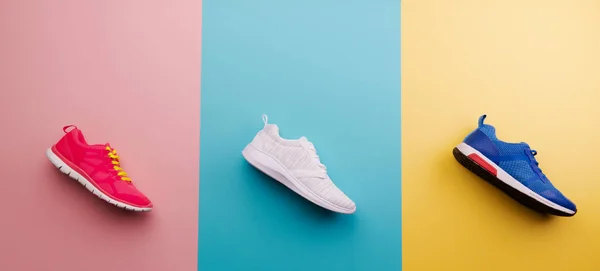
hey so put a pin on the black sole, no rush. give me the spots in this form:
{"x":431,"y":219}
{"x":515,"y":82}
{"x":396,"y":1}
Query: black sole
{"x":509,"y":190}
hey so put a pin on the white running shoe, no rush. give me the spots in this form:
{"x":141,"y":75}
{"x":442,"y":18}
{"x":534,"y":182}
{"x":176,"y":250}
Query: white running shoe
{"x":295,"y":164}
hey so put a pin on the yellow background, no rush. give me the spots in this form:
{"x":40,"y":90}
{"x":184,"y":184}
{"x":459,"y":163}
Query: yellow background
{"x":534,"y":68}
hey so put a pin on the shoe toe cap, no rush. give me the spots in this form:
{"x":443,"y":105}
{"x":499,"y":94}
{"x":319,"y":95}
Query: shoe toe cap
{"x":559,"y":199}
{"x":330,"y":196}
{"x":337,"y":198}
{"x":130,"y":194}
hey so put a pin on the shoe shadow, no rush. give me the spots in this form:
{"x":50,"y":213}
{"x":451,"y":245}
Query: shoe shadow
{"x":296,"y":202}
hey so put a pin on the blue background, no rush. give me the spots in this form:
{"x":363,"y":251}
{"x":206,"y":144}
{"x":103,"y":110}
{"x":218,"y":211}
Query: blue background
{"x":325,"y":69}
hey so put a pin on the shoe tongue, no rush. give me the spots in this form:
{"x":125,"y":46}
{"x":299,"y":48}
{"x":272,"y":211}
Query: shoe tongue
{"x":304,"y":141}
{"x":307,"y":144}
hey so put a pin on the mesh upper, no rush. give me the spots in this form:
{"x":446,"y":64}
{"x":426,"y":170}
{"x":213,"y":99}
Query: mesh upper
{"x":522,"y":170}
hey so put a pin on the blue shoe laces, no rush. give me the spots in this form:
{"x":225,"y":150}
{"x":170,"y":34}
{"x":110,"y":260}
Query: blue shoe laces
{"x":531,"y":153}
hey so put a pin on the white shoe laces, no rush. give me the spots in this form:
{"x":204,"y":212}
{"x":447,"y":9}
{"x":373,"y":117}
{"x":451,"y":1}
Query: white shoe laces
{"x":315,"y":155}
{"x":309,"y":145}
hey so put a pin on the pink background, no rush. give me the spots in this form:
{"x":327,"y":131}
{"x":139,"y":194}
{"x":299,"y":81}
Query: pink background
{"x":126,"y":72}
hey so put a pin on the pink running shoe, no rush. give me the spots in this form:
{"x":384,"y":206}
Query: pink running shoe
{"x":97,"y":168}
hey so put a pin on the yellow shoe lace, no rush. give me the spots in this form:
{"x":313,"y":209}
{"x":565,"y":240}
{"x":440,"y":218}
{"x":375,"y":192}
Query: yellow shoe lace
{"x":112,"y":153}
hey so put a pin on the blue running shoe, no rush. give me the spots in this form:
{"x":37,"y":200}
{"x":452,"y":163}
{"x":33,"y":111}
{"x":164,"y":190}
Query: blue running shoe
{"x":511,"y":167}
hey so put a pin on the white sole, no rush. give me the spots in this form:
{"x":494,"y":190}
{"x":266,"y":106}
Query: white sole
{"x":274,"y":169}
{"x":509,"y":180}
{"x":64,"y":168}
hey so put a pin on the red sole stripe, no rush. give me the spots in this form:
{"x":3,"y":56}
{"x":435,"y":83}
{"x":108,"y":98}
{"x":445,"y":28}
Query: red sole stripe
{"x":483,"y":163}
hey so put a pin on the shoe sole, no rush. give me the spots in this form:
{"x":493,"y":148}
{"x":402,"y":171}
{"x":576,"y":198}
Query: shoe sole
{"x":68,"y":170}
{"x":483,"y":167}
{"x":274,"y":169}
